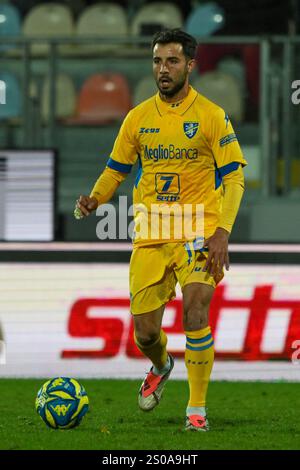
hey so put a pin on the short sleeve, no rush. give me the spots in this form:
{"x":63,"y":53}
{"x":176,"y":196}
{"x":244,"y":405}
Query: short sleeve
{"x":124,"y":152}
{"x":224,"y":144}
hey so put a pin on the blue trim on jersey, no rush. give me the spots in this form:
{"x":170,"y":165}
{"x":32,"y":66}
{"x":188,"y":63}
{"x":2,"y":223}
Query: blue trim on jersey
{"x":218,"y":178}
{"x":226,"y":169}
{"x":189,"y":252}
{"x":199,"y":340}
{"x":139,"y":173}
{"x":223,"y":171}
{"x":195,"y":248}
{"x":122,"y":167}
{"x":191,"y":348}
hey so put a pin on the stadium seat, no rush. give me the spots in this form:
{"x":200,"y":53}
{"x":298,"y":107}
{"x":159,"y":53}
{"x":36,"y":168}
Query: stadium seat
{"x":23,"y":7}
{"x":154,"y":16}
{"x":144,"y":89}
{"x":13,"y":106}
{"x":103,"y":20}
{"x":49,"y":20}
{"x":236,"y":68}
{"x":76,"y":6}
{"x":10,"y":24}
{"x":65,"y":97}
{"x":205,"y":20}
{"x":103,"y":99}
{"x":223,"y":90}
{"x":209,"y":56}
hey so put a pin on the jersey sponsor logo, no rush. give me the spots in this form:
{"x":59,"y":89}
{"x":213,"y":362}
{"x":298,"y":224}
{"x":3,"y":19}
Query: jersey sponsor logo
{"x":167,"y":183}
{"x":169,"y":153}
{"x":149,"y":130}
{"x":227,"y":139}
{"x":167,"y":198}
{"x":190,"y":128}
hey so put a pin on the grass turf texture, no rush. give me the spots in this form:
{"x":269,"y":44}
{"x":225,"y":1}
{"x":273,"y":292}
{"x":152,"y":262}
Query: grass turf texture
{"x":242,"y":416}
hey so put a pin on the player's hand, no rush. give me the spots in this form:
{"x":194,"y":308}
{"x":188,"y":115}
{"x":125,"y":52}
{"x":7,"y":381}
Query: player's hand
{"x":218,"y":255}
{"x":84,"y":206}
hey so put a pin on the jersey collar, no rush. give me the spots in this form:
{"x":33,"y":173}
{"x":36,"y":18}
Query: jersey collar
{"x":178,"y":108}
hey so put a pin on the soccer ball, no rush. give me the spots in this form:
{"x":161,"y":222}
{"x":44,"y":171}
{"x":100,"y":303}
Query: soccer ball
{"x":62,"y":403}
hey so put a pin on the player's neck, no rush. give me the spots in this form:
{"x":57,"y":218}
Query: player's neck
{"x":179,"y":96}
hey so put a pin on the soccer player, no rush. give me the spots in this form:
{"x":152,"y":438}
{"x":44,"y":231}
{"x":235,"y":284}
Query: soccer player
{"x":188,"y":154}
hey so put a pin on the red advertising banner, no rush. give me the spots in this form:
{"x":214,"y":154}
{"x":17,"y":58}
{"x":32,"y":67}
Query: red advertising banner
{"x":253,"y":343}
{"x":74,"y":319}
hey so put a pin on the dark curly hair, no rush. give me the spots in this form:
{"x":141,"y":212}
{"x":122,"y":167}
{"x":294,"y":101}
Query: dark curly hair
{"x":189,"y":44}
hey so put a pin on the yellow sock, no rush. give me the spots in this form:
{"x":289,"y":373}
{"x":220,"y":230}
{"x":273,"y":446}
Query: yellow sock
{"x":199,"y":358}
{"x":157,"y":351}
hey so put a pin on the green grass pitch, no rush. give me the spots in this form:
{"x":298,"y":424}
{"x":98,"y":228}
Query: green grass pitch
{"x":251,"y":415}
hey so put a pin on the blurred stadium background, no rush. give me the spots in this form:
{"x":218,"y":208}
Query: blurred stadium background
{"x":72,"y":70}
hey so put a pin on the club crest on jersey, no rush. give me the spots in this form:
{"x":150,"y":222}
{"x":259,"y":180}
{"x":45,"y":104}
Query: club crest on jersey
{"x":190,"y":128}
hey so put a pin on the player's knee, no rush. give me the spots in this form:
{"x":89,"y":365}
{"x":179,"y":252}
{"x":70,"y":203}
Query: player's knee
{"x":146,"y":337}
{"x":193,"y":324}
{"x":195,"y":317}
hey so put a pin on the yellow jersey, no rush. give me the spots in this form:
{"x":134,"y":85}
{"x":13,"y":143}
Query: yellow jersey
{"x":183,"y":150}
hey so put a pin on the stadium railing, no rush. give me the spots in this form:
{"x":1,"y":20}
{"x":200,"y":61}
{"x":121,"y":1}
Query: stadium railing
{"x":278,"y":116}
{"x":130,"y":47}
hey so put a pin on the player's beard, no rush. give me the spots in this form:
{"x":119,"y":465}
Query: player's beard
{"x":173,"y":90}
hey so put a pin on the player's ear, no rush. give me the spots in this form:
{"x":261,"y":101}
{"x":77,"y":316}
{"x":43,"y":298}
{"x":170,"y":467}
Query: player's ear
{"x":191,"y":65}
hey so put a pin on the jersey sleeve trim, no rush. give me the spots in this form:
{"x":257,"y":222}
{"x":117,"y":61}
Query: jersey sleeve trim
{"x":139,"y":173}
{"x":223,"y":171}
{"x":122,"y":167}
{"x":232,"y":166}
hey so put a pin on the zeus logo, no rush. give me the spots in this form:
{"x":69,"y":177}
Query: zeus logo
{"x":149,"y":130}
{"x":2,"y":92}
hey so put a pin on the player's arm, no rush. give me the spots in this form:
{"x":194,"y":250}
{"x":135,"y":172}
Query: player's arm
{"x":119,"y":165}
{"x":229,"y":162}
{"x":218,"y":243}
{"x":233,"y":192}
{"x":102,"y":192}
